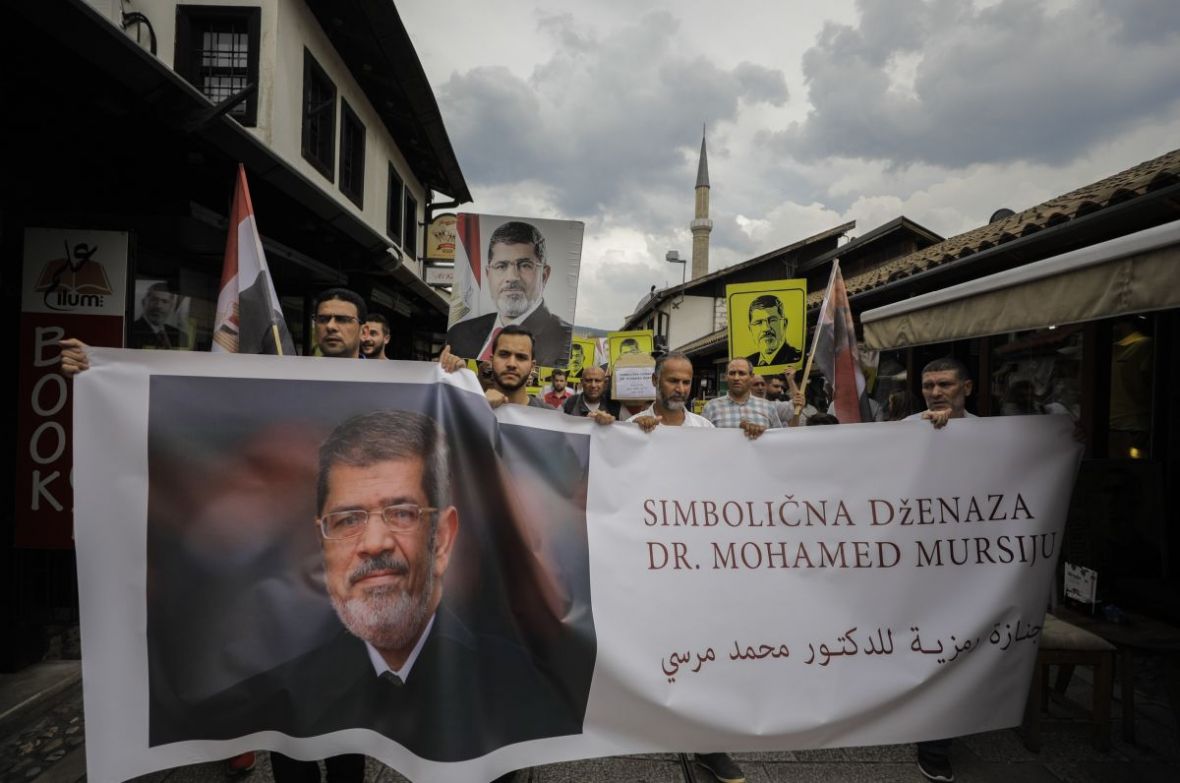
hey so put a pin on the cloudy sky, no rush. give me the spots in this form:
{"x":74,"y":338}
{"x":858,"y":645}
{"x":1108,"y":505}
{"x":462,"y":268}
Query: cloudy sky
{"x":817,"y":113}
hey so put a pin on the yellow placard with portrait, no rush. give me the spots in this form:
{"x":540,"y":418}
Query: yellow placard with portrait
{"x":535,"y":386}
{"x":583,"y":353}
{"x":768,"y":323}
{"x":622,"y":343}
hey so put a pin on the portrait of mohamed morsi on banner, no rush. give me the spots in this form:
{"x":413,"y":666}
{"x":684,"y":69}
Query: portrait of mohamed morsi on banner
{"x":322,"y":568}
{"x":512,"y":270}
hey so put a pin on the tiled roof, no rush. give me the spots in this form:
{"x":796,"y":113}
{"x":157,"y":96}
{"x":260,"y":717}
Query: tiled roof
{"x":1147,"y":176}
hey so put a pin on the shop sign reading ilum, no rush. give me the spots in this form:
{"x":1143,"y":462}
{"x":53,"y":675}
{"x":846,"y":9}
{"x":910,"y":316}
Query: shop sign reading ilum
{"x":74,"y":285}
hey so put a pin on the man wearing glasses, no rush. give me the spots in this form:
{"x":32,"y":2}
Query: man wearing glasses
{"x":339,"y":314}
{"x":516,"y":274}
{"x":402,"y":664}
{"x":768,"y":327}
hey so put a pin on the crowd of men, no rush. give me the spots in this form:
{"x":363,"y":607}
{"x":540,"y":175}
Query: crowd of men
{"x":343,"y":328}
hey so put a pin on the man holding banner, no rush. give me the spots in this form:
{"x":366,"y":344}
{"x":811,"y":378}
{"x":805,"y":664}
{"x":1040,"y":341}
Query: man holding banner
{"x":945,"y":387}
{"x":591,"y":401}
{"x":739,"y":408}
{"x":673,"y":381}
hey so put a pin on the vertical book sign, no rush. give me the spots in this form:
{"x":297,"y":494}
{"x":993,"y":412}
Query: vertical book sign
{"x":74,"y":285}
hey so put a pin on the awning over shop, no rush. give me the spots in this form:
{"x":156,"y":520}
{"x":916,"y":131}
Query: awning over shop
{"x":1130,"y":274}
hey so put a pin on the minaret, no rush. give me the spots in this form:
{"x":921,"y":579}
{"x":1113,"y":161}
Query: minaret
{"x":701,"y":225}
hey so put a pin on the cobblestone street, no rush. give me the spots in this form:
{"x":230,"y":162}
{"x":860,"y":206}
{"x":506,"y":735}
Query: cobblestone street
{"x":50,"y":749}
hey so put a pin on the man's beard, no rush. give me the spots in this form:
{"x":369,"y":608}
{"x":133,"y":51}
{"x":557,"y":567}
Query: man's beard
{"x":504,"y":385}
{"x":388,"y":617}
{"x":513,"y":302}
{"x":769,"y":343}
{"x":672,"y":403}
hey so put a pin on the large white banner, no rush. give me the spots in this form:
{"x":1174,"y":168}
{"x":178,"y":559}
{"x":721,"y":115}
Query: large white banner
{"x":579,"y":590}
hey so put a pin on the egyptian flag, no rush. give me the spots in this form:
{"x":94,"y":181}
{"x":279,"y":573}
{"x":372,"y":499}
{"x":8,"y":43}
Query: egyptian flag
{"x":833,"y":350}
{"x":249,"y":319}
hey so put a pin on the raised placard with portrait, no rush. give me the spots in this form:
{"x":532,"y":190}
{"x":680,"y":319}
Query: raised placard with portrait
{"x":583,"y":354}
{"x":521,"y":271}
{"x":638,"y":341}
{"x":768,"y":323}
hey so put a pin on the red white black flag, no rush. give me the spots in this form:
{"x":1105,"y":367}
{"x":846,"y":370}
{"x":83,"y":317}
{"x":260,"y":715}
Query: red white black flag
{"x":249,"y":319}
{"x":834,"y":351}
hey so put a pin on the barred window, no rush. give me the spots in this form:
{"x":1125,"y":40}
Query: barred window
{"x":217,"y":52}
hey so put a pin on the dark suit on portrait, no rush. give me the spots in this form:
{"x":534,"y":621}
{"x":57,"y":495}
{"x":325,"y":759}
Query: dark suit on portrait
{"x":466,"y":695}
{"x":785,"y":355}
{"x":551,"y":336}
{"x":141,"y":335}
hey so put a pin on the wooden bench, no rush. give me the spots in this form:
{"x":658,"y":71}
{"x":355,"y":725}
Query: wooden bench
{"x":1066,"y":645}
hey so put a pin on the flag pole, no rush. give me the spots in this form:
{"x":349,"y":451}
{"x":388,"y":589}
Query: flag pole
{"x":807,"y":367}
{"x":274,"y":332}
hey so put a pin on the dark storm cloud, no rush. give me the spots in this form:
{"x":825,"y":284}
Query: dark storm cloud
{"x":1144,"y":21}
{"x":605,"y":120}
{"x":1007,"y":83}
{"x":496,"y":112}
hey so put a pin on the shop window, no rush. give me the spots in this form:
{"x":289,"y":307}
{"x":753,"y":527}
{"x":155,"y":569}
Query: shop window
{"x":410,"y":241}
{"x":319,"y":117}
{"x":1037,"y":372}
{"x":1132,"y":362}
{"x":173,"y":306}
{"x":393,"y":210}
{"x":217,"y":52}
{"x":352,"y":155}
